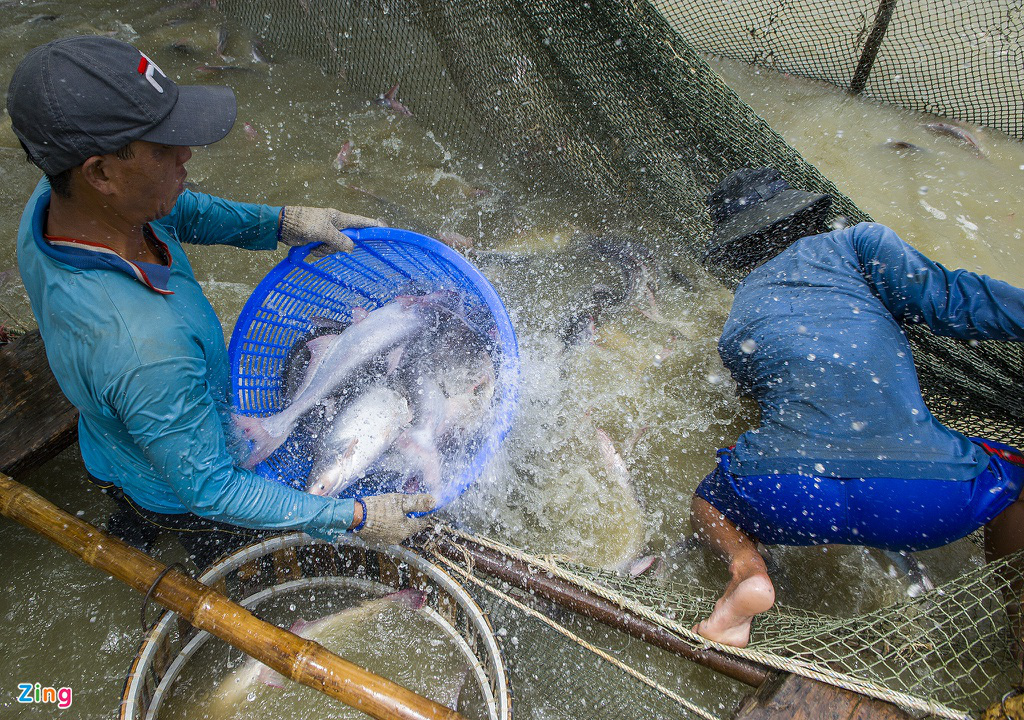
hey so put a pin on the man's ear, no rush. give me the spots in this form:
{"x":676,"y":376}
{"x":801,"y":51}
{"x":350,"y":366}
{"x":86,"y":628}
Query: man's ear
{"x":96,"y":172}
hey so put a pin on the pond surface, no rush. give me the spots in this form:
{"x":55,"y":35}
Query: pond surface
{"x":649,"y":380}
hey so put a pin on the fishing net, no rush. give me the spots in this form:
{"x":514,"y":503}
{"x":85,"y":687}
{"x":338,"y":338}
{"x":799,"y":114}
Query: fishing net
{"x":606,"y":101}
{"x":957,"y":59}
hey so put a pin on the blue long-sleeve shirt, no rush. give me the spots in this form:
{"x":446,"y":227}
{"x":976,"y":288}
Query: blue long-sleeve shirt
{"x":138,"y":349}
{"x":814,"y":337}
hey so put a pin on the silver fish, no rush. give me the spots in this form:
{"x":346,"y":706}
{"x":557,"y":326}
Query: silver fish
{"x":236,"y":687}
{"x":579,"y":326}
{"x":334,"y":360}
{"x":955,"y":131}
{"x":912,"y":570}
{"x":360,"y":433}
{"x":631,"y":560}
{"x":390,"y":99}
{"x":418,"y":445}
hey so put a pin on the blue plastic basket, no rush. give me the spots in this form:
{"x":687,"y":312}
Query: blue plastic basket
{"x":385,"y":263}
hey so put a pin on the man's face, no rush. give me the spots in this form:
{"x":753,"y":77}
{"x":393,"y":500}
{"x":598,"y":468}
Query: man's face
{"x":149,"y":183}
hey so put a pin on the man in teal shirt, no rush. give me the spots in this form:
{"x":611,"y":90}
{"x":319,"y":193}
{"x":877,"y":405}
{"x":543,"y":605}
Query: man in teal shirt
{"x":131,"y":339}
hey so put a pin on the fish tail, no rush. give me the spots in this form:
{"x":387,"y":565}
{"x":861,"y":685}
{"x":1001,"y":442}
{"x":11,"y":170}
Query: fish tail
{"x":410,"y":597}
{"x":271,"y":677}
{"x":261,"y":440}
{"x":643,"y":566}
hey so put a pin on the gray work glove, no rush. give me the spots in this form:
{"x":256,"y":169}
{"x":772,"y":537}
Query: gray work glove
{"x":387,"y":522}
{"x":303,"y":225}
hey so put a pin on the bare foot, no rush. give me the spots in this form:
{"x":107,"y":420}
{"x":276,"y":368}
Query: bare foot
{"x":729,"y":622}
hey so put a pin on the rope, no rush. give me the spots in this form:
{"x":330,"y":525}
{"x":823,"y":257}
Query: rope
{"x":796,"y":667}
{"x":629,"y":670}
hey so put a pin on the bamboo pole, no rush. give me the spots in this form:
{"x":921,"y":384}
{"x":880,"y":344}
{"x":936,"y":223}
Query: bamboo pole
{"x":302,"y":660}
{"x":521,"y":575}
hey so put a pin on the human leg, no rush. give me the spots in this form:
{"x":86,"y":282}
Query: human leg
{"x":1004,"y":533}
{"x":749,"y":592}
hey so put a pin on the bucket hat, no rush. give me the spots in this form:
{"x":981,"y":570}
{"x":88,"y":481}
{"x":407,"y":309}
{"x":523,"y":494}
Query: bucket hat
{"x":753,"y":211}
{"x":81,"y":96}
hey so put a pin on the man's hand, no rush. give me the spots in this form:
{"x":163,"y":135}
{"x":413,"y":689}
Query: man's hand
{"x":386,"y":521}
{"x":303,"y":225}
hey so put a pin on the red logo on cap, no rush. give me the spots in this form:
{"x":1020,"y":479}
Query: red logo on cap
{"x":147,"y":67}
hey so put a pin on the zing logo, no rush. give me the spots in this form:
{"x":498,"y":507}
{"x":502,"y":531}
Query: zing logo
{"x":34,"y":693}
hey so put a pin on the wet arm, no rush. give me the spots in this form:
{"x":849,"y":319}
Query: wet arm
{"x":915,"y":289}
{"x":173,"y":418}
{"x":204,"y":219}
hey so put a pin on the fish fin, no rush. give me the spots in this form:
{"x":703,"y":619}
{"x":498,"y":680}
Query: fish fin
{"x":318,"y":346}
{"x":262,"y":442}
{"x":320,"y":322}
{"x":350,"y":449}
{"x":643,"y":566}
{"x":635,"y":438}
{"x":392,"y":93}
{"x":412,"y":598}
{"x":394,"y":358}
{"x":269,"y":676}
{"x":298,"y":626}
{"x":359,"y":314}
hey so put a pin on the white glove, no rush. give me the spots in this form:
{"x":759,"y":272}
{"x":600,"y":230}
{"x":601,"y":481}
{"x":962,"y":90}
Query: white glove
{"x":303,"y":225}
{"x":386,"y":521}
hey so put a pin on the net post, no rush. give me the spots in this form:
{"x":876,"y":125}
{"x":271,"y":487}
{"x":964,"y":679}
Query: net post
{"x":871,"y":46}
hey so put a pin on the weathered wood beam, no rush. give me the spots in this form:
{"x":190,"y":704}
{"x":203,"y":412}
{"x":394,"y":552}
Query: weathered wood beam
{"x":792,"y":697}
{"x":36,"y":420}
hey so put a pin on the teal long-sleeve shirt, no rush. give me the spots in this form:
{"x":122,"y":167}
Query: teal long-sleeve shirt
{"x":138,"y":349}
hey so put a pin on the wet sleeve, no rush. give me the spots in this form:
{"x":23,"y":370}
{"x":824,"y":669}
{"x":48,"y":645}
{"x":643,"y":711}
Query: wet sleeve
{"x":207,"y":220}
{"x":915,"y":289}
{"x":172,"y":417}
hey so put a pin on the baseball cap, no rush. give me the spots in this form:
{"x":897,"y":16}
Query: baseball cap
{"x":87,"y":95}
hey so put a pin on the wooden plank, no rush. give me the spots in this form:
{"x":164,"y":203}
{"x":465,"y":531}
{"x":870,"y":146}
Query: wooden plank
{"x":36,"y":420}
{"x":792,"y":697}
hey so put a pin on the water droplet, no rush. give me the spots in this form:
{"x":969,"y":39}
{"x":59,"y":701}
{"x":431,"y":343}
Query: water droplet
{"x":748,"y":346}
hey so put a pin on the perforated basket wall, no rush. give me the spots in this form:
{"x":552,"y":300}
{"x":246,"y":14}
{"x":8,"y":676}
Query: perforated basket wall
{"x":385,"y":263}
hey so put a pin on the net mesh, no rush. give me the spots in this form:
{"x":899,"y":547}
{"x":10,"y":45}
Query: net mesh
{"x":957,"y":59}
{"x":606,"y":100}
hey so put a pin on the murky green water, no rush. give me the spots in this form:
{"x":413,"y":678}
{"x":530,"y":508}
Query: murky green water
{"x":652,"y":380}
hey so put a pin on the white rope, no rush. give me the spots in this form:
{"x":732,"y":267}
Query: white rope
{"x":467,"y":573}
{"x":796,"y":667}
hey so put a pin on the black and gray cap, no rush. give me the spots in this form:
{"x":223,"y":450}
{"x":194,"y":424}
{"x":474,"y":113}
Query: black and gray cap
{"x":81,"y":96}
{"x":753,"y":212}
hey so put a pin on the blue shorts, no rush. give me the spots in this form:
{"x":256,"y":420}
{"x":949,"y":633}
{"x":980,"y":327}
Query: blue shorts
{"x":888,"y":513}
